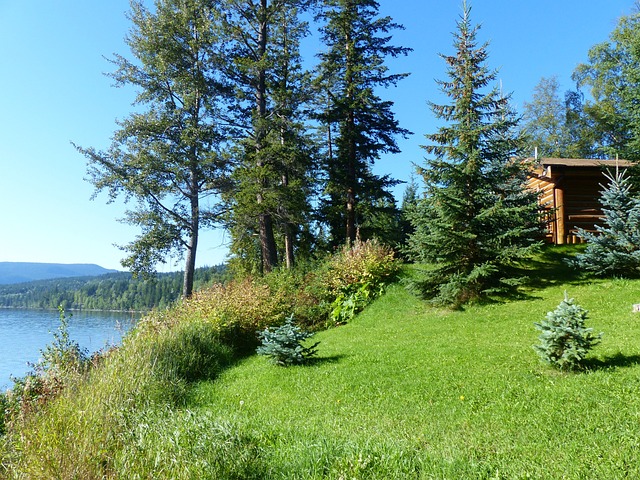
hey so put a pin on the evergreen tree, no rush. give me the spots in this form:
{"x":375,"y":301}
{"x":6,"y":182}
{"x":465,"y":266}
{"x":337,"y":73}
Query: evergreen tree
{"x":565,"y":339}
{"x":269,"y":199}
{"x":360,"y":125}
{"x":478,"y":220}
{"x":167,"y":156}
{"x":615,"y":248}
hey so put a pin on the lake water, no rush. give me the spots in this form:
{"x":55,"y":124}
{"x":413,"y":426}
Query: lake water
{"x":24,"y":333}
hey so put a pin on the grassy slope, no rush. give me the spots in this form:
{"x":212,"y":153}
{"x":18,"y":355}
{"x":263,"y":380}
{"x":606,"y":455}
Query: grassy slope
{"x":406,"y":391}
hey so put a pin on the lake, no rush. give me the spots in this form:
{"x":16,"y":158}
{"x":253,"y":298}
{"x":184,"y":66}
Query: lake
{"x":24,"y":333}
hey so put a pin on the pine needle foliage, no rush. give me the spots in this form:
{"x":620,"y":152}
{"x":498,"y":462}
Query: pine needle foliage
{"x":615,"y":247}
{"x":359,"y":124}
{"x":478,"y":220}
{"x":283,"y":345}
{"x":565,"y":340}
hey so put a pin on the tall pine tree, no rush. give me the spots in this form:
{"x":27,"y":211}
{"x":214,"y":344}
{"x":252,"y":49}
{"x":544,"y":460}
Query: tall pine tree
{"x":478,"y":219}
{"x":360,"y":125}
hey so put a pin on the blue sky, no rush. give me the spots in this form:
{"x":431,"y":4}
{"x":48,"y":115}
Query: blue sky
{"x":54,"y":92}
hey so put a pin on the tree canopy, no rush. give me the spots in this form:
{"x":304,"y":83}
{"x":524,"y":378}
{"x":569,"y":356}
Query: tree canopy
{"x":167,"y":155}
{"x":360,"y":125}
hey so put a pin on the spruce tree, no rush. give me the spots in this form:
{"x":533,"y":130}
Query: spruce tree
{"x":478,"y":220}
{"x":360,"y":125}
{"x":614,"y":249}
{"x":565,"y":339}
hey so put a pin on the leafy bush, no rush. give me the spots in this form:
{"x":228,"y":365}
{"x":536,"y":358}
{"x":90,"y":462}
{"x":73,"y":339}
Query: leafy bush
{"x":284,"y":344}
{"x":62,"y":362}
{"x":565,"y":341}
{"x":356,"y":275}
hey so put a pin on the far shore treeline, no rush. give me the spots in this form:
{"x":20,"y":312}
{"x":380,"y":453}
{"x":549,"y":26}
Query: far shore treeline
{"x":114,"y":291}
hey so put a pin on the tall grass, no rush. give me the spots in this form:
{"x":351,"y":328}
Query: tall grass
{"x":129,"y":417}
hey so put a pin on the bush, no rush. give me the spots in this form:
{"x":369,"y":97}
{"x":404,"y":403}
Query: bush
{"x":62,"y":363}
{"x":614,"y":249}
{"x":356,"y":275}
{"x":565,"y":341}
{"x":284,"y":344}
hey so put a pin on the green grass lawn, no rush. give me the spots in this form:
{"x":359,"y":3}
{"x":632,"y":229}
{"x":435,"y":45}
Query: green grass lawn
{"x":408,"y":391}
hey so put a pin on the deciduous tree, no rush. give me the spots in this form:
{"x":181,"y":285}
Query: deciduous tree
{"x":166,"y":156}
{"x":612,"y":75}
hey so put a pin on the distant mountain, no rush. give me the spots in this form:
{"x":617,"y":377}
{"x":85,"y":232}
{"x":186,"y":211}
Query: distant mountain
{"x":20,"y":272}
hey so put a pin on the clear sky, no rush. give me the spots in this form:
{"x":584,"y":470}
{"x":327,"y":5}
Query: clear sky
{"x":54,"y":92}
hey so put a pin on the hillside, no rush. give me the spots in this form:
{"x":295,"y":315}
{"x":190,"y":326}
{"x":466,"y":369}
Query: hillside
{"x":403,"y":390}
{"x":20,"y":272}
{"x":108,"y":291}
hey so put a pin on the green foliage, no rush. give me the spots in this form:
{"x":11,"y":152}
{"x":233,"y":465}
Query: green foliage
{"x":191,"y":352}
{"x":283,"y":345}
{"x":356,"y":275}
{"x":114,"y":291}
{"x":62,"y":363}
{"x":360,"y":126}
{"x":478,"y":220}
{"x":565,"y":340}
{"x":166,"y":155}
{"x":557,"y":127}
{"x":272,"y":180}
{"x":611,"y":74}
{"x":615,"y":248}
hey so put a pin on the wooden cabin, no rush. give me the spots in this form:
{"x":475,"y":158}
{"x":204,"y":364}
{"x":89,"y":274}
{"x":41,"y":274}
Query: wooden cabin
{"x":570,"y":194}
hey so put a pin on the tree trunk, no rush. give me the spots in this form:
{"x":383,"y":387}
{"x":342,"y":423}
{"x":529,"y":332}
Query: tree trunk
{"x":265,"y":224}
{"x":267,"y":244}
{"x":192,"y":247}
{"x":350,"y":129}
{"x":190,"y":267}
{"x":288,"y":246}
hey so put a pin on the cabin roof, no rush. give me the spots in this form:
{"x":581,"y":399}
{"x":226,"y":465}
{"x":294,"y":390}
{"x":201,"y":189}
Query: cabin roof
{"x":583,"y":162}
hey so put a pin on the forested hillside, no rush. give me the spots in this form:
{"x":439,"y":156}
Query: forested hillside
{"x":114,"y":291}
{"x":20,"y":272}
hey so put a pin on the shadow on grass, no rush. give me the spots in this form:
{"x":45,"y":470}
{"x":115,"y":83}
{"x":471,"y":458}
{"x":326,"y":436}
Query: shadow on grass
{"x":619,"y":360}
{"x":323,"y":360}
{"x":551,"y":266}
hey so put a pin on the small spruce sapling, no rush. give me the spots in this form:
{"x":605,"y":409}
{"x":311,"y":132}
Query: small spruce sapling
{"x":284,"y":344}
{"x":565,"y":340}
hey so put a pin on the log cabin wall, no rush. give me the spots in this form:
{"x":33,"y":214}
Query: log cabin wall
{"x":570,"y":195}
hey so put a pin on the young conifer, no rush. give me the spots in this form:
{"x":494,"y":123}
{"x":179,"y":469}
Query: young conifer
{"x":615,"y":248}
{"x":565,"y":340}
{"x":478,"y":219}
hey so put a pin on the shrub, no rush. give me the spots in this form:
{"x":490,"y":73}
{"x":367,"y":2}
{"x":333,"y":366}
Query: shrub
{"x":614,"y":249}
{"x":565,"y":340}
{"x":356,"y":275}
{"x":62,"y":363}
{"x":284,"y":344}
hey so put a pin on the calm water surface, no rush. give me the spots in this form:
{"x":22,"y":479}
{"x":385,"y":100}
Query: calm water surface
{"x":24,"y":333}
